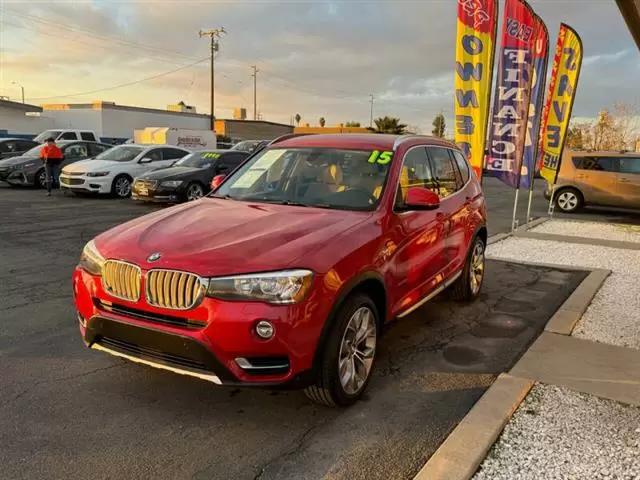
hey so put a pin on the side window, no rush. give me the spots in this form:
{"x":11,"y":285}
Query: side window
{"x":463,"y":166}
{"x":444,"y":172}
{"x":230,"y":161}
{"x":598,"y":164}
{"x":68,"y":136}
{"x":416,"y":172}
{"x":173,"y":154}
{"x":24,"y":146}
{"x":630,"y":165}
{"x":96,"y":149}
{"x":88,"y":136}
{"x":155,"y":155}
{"x":6,"y":147}
{"x":76,"y":151}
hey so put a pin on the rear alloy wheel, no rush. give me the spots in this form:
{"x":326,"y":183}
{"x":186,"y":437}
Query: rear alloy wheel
{"x":568,"y":200}
{"x":121,"y":186}
{"x":467,"y":287}
{"x":194,"y":192}
{"x":349,"y":354}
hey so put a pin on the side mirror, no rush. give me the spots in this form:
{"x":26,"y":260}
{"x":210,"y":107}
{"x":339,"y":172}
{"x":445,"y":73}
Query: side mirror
{"x":419,"y":198}
{"x":217,"y":180}
{"x":145,"y":160}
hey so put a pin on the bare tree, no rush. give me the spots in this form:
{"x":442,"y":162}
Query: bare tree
{"x":625,"y":120}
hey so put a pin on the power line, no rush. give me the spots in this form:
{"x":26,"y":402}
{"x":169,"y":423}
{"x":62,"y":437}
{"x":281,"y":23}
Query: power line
{"x":213,"y":36}
{"x":128,"y":84}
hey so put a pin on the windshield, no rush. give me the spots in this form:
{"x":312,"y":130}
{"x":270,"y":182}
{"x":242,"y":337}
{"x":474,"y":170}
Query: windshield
{"x":246,"y":146}
{"x":46,"y":134}
{"x":121,"y":153}
{"x":198,"y":160}
{"x":320,"y":177}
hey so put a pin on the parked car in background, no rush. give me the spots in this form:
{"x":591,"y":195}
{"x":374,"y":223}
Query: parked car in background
{"x":28,"y":169}
{"x":187,"y":179}
{"x":67,"y":134}
{"x":606,"y":179}
{"x":250,"y":146}
{"x":287,"y":274}
{"x":113,"y":171}
{"x":14,"y":147}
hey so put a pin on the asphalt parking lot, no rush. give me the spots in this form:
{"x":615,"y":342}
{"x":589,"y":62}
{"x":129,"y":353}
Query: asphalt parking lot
{"x":66,"y":412}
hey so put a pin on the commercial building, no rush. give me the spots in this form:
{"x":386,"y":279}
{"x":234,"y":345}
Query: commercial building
{"x":339,"y":128}
{"x":22,"y":119}
{"x":251,"y":129}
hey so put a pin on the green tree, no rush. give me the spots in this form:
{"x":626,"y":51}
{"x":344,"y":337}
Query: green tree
{"x":298,"y":118}
{"x":439,"y":126}
{"x":391,"y":125}
{"x":352,"y":124}
{"x":322,"y":122}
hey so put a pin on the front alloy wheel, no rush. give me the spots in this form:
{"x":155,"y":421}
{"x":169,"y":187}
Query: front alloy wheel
{"x":122,"y":187}
{"x":568,"y":201}
{"x":194,"y":192}
{"x":347,"y":358}
{"x":41,"y":179}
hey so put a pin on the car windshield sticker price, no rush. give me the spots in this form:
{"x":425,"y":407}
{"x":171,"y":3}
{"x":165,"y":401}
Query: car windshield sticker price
{"x":211,"y":155}
{"x":260,"y":166}
{"x":381,"y":158}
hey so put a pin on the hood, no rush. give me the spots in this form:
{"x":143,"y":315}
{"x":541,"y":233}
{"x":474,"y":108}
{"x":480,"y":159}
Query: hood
{"x":12,"y":161}
{"x":91,"y":165}
{"x":213,"y":237}
{"x":171,"y":173}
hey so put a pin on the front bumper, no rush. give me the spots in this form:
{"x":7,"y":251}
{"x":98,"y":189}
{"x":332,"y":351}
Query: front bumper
{"x":82,"y":183}
{"x":21,"y":178}
{"x":152,"y":192}
{"x":214,"y":341}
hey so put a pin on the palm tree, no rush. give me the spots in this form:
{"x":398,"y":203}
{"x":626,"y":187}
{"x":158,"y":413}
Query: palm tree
{"x":352,"y":124}
{"x":298,"y":118}
{"x":390,"y":125}
{"x":322,"y":122}
{"x":439,"y":126}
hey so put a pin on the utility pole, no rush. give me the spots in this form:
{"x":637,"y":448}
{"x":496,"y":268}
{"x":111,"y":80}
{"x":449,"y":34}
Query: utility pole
{"x":21,"y":88}
{"x":214,"y":35}
{"x":371,"y":98}
{"x":255,"y":103}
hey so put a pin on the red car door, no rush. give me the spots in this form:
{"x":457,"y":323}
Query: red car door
{"x":453,"y":204}
{"x":417,"y":238}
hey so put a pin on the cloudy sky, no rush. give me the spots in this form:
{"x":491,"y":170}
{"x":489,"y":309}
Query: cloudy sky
{"x":316,"y":58}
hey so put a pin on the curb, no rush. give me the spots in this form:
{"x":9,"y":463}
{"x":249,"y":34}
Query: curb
{"x":569,"y":314}
{"x":467,"y":446}
{"x":498,"y":237}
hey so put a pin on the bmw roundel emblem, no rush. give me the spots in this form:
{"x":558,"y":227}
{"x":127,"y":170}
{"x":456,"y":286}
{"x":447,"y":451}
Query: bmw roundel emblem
{"x":154,"y":257}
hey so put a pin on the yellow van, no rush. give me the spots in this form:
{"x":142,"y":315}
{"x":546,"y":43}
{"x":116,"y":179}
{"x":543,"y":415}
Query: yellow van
{"x":607,"y":179}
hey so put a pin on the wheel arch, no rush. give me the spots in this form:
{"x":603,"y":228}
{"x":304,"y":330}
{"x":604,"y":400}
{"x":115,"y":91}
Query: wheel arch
{"x":370,"y":283}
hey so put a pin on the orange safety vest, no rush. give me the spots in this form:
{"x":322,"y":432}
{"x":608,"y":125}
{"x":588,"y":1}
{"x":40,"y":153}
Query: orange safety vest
{"x":51,"y":152}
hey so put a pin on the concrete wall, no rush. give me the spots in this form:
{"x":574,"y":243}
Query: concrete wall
{"x":15,"y":122}
{"x":77,"y":119}
{"x":122,"y":123}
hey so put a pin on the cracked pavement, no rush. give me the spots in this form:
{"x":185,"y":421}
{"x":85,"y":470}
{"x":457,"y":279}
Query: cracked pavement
{"x":70,"y":413}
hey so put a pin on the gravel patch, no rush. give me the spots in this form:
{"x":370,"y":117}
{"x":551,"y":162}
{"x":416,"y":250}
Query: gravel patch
{"x":601,"y":231}
{"x":614,"y":314}
{"x":560,"y":434}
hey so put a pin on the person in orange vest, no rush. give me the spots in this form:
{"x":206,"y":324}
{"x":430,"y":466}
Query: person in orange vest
{"x":51,"y":155}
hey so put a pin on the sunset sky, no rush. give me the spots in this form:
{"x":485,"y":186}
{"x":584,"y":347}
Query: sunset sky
{"x":316,"y":58}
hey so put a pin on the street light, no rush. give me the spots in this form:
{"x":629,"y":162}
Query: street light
{"x":21,"y":88}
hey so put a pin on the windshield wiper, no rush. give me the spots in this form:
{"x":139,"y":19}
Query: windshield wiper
{"x":224,"y":197}
{"x":293,"y":204}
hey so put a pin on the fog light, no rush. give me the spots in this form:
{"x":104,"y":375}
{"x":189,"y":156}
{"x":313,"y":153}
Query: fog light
{"x":265,"y":329}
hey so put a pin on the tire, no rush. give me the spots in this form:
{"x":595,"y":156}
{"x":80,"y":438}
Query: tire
{"x":469,"y":285}
{"x":194,"y":191}
{"x":568,"y":200}
{"x":329,"y":389}
{"x":121,"y":186}
{"x":40,"y":179}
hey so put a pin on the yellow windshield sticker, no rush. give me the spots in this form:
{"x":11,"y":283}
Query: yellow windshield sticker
{"x":211,"y":155}
{"x":381,"y":158}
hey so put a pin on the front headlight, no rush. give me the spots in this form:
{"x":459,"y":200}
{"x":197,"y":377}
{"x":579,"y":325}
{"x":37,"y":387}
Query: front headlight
{"x":171,"y":183}
{"x":286,"y":287}
{"x":90,"y":260}
{"x":30,"y":164}
{"x":97,"y":174}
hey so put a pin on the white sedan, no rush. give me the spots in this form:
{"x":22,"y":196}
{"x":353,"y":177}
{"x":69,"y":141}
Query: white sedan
{"x":112,"y":172}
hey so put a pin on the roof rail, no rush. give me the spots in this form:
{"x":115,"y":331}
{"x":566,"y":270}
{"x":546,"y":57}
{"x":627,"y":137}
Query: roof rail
{"x":287,"y":136}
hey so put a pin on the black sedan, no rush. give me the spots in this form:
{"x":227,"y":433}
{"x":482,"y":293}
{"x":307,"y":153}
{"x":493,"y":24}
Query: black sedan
{"x":187,"y":179}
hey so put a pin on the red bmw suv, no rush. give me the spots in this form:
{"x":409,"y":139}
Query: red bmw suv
{"x":286,"y":273}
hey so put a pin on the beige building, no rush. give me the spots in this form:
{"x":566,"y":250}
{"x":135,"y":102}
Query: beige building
{"x":251,"y":129}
